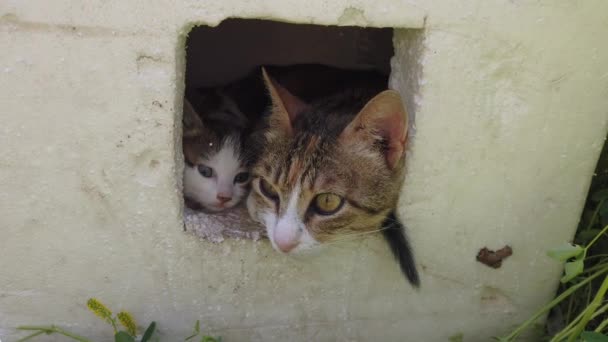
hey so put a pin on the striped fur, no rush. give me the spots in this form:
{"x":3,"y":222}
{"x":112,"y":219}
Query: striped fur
{"x":350,"y":144}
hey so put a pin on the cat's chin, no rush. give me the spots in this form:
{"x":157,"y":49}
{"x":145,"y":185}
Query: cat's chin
{"x":214,"y":209}
{"x":306,"y":252}
{"x":300,"y":251}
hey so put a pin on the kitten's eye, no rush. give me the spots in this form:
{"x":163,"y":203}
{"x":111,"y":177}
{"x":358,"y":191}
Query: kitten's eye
{"x":327,"y":203}
{"x":241,"y":177}
{"x":205,"y":171}
{"x":268,"y":190}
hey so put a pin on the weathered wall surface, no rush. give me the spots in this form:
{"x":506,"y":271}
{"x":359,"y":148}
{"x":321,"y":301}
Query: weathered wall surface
{"x":511,"y":107}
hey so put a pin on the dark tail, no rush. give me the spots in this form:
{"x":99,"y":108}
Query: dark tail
{"x":394,"y":234}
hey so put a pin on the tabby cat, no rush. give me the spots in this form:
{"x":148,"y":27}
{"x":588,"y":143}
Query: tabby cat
{"x":331,"y":168}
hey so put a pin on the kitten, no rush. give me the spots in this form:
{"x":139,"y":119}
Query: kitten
{"x":216,"y":174}
{"x":332,"y":168}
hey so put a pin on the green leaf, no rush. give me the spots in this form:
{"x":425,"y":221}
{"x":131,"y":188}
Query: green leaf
{"x":592,"y":336}
{"x":565,"y":252}
{"x":123,"y":336}
{"x":599,"y":195}
{"x":572,"y":269}
{"x":149,"y":332}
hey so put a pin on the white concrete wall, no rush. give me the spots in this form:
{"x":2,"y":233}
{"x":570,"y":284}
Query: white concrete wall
{"x":511,"y":106}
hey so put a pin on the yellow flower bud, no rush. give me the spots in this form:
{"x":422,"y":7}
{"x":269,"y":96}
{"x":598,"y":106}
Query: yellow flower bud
{"x":128,"y":322}
{"x":99,"y":309}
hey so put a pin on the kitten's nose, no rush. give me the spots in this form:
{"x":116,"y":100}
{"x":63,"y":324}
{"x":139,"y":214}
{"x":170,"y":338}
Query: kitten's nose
{"x":223,"y":198}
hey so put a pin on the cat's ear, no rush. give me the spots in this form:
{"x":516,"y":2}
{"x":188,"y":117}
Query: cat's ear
{"x":285,"y":105}
{"x":382,"y":120}
{"x":193,"y":125}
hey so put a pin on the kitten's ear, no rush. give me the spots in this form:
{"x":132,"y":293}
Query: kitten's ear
{"x":193,"y":125}
{"x":285,"y":105}
{"x":383,"y":118}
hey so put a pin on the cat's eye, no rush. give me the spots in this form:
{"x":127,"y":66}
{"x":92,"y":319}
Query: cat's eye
{"x":205,"y":171}
{"x":327,"y":203}
{"x":268,"y":190}
{"x":241,"y":177}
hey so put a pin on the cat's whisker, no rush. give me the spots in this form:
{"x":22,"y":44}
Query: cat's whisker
{"x":353,"y":236}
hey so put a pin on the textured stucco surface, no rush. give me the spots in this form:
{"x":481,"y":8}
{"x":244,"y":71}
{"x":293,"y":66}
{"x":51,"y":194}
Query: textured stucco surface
{"x":511,"y":108}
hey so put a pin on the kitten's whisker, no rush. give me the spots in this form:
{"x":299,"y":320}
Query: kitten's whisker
{"x":352,"y":236}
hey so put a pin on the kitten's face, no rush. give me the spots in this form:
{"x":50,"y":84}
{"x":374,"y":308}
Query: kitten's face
{"x":323,"y":175}
{"x":215,"y":175}
{"x":217,"y":179}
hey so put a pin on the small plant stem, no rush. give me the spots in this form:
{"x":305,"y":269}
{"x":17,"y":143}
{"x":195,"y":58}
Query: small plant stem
{"x":570,"y":305}
{"x":597,"y":301}
{"x":594,"y":216}
{"x":53,"y":329}
{"x":597,"y":237}
{"x":600,"y":311}
{"x":551,"y":304}
{"x":596,"y":267}
{"x":565,"y":331}
{"x":114,"y":325}
{"x":28,"y":337}
{"x":601,"y":326}
{"x":597,"y":256}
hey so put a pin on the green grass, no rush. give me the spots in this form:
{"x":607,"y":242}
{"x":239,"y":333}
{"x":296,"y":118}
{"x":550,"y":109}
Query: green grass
{"x":123,"y":324}
{"x":580,"y":309}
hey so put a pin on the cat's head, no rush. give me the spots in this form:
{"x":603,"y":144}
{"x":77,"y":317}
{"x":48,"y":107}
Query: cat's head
{"x":328,"y":169}
{"x":216,"y":176}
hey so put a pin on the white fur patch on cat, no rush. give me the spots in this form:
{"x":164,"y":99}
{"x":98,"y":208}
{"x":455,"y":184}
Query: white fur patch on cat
{"x":288,"y":234}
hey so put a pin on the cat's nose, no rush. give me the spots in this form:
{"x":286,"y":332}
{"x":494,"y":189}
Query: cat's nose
{"x":223,"y":198}
{"x":286,"y":240}
{"x":286,"y":246}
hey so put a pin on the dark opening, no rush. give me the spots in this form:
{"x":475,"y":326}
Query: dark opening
{"x":217,"y":56}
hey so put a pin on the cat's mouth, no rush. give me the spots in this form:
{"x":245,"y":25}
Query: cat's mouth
{"x":221,"y":206}
{"x":216,"y":207}
{"x":209,"y":208}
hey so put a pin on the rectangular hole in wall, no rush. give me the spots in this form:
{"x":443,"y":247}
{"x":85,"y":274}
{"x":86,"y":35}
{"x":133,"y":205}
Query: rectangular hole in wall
{"x":224,"y":85}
